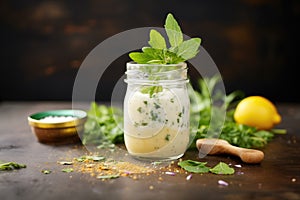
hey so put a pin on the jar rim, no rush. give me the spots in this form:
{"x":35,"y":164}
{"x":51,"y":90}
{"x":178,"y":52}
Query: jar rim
{"x":132,"y":63}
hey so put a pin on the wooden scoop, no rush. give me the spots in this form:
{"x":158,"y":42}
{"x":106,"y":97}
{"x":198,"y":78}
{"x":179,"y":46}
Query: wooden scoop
{"x":219,"y":146}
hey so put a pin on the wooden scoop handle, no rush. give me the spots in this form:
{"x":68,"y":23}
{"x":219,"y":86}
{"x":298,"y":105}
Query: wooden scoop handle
{"x":218,"y":146}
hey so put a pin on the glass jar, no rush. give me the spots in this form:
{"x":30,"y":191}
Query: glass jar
{"x":156,"y":111}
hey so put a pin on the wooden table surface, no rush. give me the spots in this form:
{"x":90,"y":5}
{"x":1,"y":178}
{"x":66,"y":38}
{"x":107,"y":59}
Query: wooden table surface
{"x":277,"y":177}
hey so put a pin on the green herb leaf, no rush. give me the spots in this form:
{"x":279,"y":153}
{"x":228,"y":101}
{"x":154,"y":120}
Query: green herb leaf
{"x":173,"y":31}
{"x":158,"y":53}
{"x":151,"y":90}
{"x":236,"y":134}
{"x":103,"y":125}
{"x":157,"y":41}
{"x":140,"y":57}
{"x":11,"y":166}
{"x":45,"y":171}
{"x":108,"y":176}
{"x":189,"y":48}
{"x":222,"y":168}
{"x":65,"y":162}
{"x":194,"y":166}
{"x":96,"y":158}
{"x":155,"y":56}
{"x":67,"y":170}
{"x":93,"y":158}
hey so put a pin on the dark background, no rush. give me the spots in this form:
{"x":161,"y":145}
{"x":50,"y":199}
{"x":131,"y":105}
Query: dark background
{"x":254,"y":43}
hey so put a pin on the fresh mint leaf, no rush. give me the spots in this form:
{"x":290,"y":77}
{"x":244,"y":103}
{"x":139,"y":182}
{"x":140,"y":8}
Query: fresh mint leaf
{"x":159,"y":53}
{"x":155,"y":55}
{"x":172,"y":58}
{"x":148,"y":56}
{"x":222,"y":168}
{"x":157,"y":41}
{"x":140,"y":57}
{"x":189,"y":48}
{"x":194,"y":166}
{"x":173,"y":31}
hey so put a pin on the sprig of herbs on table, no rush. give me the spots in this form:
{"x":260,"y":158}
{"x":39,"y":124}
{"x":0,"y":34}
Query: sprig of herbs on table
{"x":236,"y":134}
{"x":102,"y":127}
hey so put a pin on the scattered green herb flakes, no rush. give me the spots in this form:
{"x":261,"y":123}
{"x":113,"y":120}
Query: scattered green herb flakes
{"x":96,"y":158}
{"x":156,"y":106}
{"x":194,"y":166}
{"x":112,"y":176}
{"x":154,"y":116}
{"x":10,"y":166}
{"x":45,"y":171}
{"x":222,"y":168}
{"x":67,"y":170}
{"x":65,"y":162}
{"x":139,"y":109}
{"x":167,"y":138}
{"x":200,"y":167}
{"x":93,"y":158}
{"x":156,"y":163}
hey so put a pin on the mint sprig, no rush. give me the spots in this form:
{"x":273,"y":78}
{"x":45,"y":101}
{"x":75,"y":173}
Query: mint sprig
{"x":159,"y":53}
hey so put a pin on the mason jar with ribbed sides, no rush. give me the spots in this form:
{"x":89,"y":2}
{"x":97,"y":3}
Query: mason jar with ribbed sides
{"x":156,"y":111}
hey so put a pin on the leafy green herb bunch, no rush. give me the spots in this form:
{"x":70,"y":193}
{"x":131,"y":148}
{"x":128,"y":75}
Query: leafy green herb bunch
{"x":179,"y":50}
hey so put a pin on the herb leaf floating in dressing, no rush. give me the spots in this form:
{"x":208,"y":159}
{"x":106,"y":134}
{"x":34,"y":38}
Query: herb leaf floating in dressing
{"x":222,"y":168}
{"x":159,"y":53}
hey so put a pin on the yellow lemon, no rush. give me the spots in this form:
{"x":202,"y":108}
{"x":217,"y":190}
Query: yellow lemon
{"x":257,"y":111}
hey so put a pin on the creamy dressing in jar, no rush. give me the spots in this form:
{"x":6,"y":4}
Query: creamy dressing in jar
{"x":156,"y":124}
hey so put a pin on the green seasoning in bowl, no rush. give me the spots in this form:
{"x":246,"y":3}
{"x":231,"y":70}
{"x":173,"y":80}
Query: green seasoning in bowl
{"x":58,"y":126}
